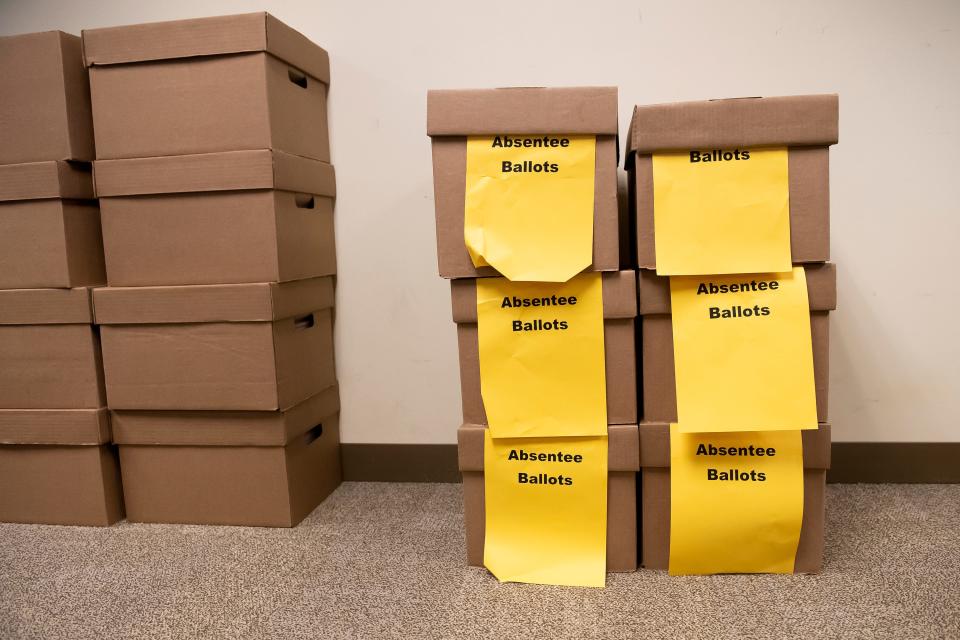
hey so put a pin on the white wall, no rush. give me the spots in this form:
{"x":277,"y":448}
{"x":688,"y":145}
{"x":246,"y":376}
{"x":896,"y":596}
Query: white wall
{"x":896,"y":235}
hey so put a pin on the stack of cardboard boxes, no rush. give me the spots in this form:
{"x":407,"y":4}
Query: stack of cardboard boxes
{"x":453,"y":116}
{"x":56,"y":462}
{"x":217,"y":195}
{"x":806,"y":126}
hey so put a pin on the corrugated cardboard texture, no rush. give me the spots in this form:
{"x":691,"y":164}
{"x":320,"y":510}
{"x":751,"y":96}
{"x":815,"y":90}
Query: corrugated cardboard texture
{"x":216,"y":35}
{"x":655,"y":488}
{"x":248,"y":100}
{"x":50,"y":366}
{"x":520,"y":110}
{"x":222,"y":428}
{"x":54,"y":426}
{"x":790,"y":121}
{"x":221,"y":215}
{"x":449,"y":188}
{"x":809,"y":192}
{"x":46,"y":306}
{"x":39,"y":180}
{"x":224,"y":171}
{"x":252,"y":302}
{"x":621,"y":496}
{"x":50,"y":243}
{"x":60,"y":484}
{"x":274,"y":486}
{"x":256,"y":366}
{"x":658,"y":377}
{"x":45,"y":110}
{"x":619,"y":310}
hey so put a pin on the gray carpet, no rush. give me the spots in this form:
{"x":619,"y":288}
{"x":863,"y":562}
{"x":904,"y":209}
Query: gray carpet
{"x":386,"y":561}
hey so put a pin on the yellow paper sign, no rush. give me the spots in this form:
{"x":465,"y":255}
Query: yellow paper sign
{"x":743,"y":352}
{"x":546,"y":510}
{"x":541,"y":357}
{"x":529,"y":205}
{"x":736,"y":501}
{"x":721,"y":211}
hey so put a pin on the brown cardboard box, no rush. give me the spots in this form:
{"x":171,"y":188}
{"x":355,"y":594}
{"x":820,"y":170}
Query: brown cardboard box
{"x":807,"y":125}
{"x":206,"y":85}
{"x":45,"y":110}
{"x":621,"y":494}
{"x":656,"y":330}
{"x":216,"y":218}
{"x":257,"y":347}
{"x":49,"y":226}
{"x":49,"y":350}
{"x":58,"y":467}
{"x":655,"y":496}
{"x":452,"y":115}
{"x":619,"y":338}
{"x":268,"y":468}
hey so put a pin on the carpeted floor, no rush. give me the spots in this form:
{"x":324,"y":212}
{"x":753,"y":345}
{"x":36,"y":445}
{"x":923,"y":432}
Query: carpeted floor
{"x":386,"y":561}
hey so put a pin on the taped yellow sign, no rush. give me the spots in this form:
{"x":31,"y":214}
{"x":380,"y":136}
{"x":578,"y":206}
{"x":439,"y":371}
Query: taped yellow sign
{"x":541,"y":357}
{"x":528,"y":211}
{"x":736,"y":501}
{"x":721,"y":211}
{"x":546,"y":510}
{"x":743,"y":352}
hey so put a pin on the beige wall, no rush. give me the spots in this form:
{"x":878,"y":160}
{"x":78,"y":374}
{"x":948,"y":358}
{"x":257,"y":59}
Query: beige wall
{"x":896,"y":234}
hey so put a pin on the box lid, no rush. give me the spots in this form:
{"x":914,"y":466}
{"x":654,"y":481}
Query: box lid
{"x":243,"y":33}
{"x":522,"y":110}
{"x":655,"y":446}
{"x":224,"y":171}
{"x":54,"y":426}
{"x":41,"y":180}
{"x":253,"y":302}
{"x":622,"y":447}
{"x":791,"y":121}
{"x":46,"y":306}
{"x":654,"y":290}
{"x":224,"y":428}
{"x":619,"y":296}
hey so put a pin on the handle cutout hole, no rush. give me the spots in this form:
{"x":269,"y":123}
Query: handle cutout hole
{"x":297,"y":78}
{"x":314,"y":434}
{"x":304,"y":322}
{"x":304,"y":201}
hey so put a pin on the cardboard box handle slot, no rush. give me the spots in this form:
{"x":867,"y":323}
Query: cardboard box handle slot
{"x":303,"y":322}
{"x":303,"y":200}
{"x":297,"y":77}
{"x":313,"y":434}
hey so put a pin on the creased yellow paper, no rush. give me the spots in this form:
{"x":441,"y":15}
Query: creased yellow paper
{"x":736,"y":501}
{"x":721,"y":211}
{"x":546,"y":510}
{"x":541,"y":357}
{"x":743,"y":352}
{"x":528,"y":211}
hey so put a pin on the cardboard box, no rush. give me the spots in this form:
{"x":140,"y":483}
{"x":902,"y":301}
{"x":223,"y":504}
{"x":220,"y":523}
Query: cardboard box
{"x":655,"y":496}
{"x":806,"y":125}
{"x":49,"y":350}
{"x":216,"y":218}
{"x":206,"y":85}
{"x":49,"y":226}
{"x":58,"y":467}
{"x":267,"y":469}
{"x":621,"y":494}
{"x":45,"y":111}
{"x":656,"y":329}
{"x":452,"y":115}
{"x":256,"y":347}
{"x":619,"y":339}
